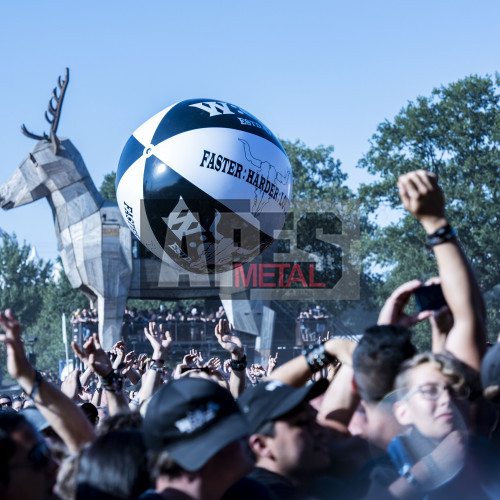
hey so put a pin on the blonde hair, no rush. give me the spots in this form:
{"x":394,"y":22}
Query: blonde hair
{"x":444,"y":363}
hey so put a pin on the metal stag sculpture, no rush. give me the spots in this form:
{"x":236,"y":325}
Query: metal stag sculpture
{"x":93,"y":240}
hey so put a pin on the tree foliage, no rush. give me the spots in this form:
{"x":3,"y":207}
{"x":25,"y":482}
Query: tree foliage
{"x":318,"y":176}
{"x":23,"y":279}
{"x":455,"y":133}
{"x":316,"y":173}
{"x":107,"y":188}
{"x":59,"y":297}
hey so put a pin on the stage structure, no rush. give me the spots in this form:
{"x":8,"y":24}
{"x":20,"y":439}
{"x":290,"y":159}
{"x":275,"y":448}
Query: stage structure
{"x":98,"y":251}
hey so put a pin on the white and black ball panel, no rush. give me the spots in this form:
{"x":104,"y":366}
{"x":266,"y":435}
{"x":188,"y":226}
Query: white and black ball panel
{"x":204,"y":184}
{"x":233,"y":171}
{"x":196,"y":231}
{"x":146,"y":132}
{"x":205,"y":113}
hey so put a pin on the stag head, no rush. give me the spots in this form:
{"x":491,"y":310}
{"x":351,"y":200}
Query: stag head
{"x":54,"y":109}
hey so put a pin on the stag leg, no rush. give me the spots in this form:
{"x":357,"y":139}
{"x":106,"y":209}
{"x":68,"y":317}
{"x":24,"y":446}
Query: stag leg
{"x":110,"y":311}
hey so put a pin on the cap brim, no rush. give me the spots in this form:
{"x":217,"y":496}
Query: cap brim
{"x":290,"y":402}
{"x":35,"y":418}
{"x":193,"y":453}
{"x":305,"y":393}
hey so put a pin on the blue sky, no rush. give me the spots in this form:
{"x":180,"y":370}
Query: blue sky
{"x":324,"y":72}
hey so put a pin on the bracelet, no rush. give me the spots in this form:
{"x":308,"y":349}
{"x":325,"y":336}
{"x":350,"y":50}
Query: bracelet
{"x":409,"y":476}
{"x":159,"y":361}
{"x":317,"y":358}
{"x":442,"y":235}
{"x":112,"y":382}
{"x":36,"y":384}
{"x":157,"y":367}
{"x":239,"y":365}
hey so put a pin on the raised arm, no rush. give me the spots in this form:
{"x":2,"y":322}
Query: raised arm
{"x":160,"y":342}
{"x":423,"y":198}
{"x":93,"y":356}
{"x":64,"y":416}
{"x":231,"y":343}
{"x":298,"y":371}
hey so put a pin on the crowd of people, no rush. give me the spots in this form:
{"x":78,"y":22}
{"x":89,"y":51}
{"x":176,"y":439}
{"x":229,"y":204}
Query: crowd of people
{"x":372,"y":419}
{"x":186,"y":326}
{"x":313,"y":323}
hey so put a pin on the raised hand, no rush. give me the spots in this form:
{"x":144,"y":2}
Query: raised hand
{"x":423,"y":198}
{"x":393,"y":311}
{"x":119,"y":351}
{"x":160,"y":341}
{"x":93,"y":356}
{"x":71,"y":385}
{"x":227,"y":339}
{"x":17,"y":362}
{"x":251,"y":376}
{"x":227,"y":366}
{"x":141,"y":364}
{"x":271,"y":364}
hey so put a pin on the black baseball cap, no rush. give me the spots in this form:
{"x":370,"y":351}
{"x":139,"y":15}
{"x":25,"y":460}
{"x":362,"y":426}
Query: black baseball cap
{"x":35,"y":418}
{"x":192,"y":419}
{"x":269,"y":401}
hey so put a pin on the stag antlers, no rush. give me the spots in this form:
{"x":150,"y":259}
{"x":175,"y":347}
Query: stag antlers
{"x":55,"y":106}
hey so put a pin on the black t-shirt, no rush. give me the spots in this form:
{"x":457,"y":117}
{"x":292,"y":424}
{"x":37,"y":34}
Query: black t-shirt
{"x":244,"y":489}
{"x":280,"y":487}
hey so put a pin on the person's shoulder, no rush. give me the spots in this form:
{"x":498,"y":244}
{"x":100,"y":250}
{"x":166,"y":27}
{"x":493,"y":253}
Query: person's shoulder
{"x":150,"y":495}
{"x":248,"y":488}
{"x":279,"y":487}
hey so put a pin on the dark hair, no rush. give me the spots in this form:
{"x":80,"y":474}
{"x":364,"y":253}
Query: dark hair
{"x":162,"y":464}
{"x":7,"y":449}
{"x":9,"y":422}
{"x":377,"y":358}
{"x":114,"y":466}
{"x":120,"y":421}
{"x":5,"y":396}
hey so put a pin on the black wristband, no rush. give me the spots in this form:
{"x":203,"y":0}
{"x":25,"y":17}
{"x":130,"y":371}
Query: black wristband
{"x":36,"y":384}
{"x":317,"y":358}
{"x":239,"y":365}
{"x":112,"y":382}
{"x":442,"y":235}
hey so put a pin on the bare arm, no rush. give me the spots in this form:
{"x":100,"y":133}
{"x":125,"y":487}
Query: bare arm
{"x":64,"y":416}
{"x":160,"y":343}
{"x":96,"y":359}
{"x":423,"y":198}
{"x":339,"y":402}
{"x":86,"y":376}
{"x":297,"y":372}
{"x":233,"y":345}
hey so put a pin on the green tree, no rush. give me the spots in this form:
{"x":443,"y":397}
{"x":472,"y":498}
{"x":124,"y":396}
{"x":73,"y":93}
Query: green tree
{"x":59,"y":297}
{"x":318,"y":176}
{"x":107,"y":188}
{"x":455,"y":133}
{"x":23,"y":280}
{"x":316,"y":172}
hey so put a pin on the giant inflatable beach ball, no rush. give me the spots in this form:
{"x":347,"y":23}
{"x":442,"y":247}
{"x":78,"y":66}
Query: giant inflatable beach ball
{"x":204,"y":184}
